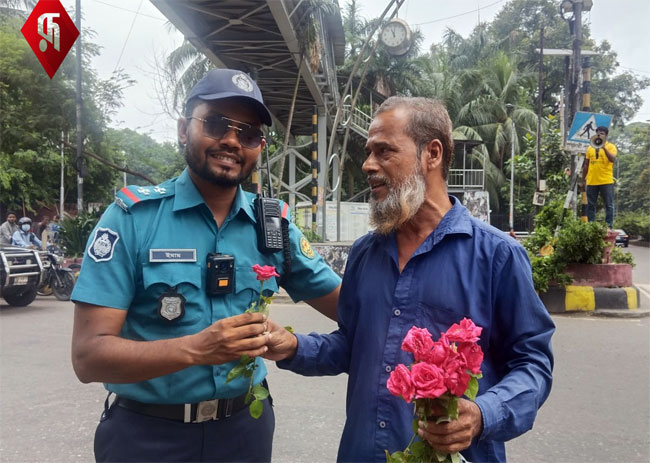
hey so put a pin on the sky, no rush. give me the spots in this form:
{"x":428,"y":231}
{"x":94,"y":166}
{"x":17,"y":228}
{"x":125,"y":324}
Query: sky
{"x":133,"y":32}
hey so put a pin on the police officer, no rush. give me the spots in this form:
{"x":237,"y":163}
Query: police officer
{"x":144,"y":323}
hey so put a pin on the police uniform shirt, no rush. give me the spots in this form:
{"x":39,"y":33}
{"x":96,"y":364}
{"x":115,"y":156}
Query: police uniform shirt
{"x":154,"y":241}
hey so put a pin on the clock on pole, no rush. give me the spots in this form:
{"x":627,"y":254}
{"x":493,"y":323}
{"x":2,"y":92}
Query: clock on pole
{"x":396,"y":36}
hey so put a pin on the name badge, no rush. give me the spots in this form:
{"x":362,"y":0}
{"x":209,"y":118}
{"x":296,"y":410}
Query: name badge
{"x":172,"y":255}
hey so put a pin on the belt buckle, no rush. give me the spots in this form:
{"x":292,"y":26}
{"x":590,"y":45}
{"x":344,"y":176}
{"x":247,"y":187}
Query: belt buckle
{"x":207,"y":410}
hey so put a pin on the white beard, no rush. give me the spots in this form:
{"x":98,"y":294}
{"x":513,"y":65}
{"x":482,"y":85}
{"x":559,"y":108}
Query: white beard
{"x":402,"y":203}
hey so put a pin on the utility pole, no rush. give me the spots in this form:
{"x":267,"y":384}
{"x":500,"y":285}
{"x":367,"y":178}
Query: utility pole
{"x":62,"y":189}
{"x":80,"y":159}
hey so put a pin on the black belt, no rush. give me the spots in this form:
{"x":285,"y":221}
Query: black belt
{"x":215,"y":409}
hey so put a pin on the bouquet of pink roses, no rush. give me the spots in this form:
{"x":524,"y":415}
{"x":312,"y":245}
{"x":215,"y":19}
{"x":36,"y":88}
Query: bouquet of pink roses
{"x":442,"y":371}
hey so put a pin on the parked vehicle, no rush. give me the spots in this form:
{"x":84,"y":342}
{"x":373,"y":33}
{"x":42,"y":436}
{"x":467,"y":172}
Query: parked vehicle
{"x":622,"y":239}
{"x":57,"y":279}
{"x":21,"y":271}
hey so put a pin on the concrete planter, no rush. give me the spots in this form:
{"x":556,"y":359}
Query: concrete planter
{"x":600,"y":275}
{"x":595,"y":286}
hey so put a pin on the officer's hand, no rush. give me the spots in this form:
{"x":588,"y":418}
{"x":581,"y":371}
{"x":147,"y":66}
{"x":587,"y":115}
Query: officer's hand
{"x":456,"y":435}
{"x":283,"y":344}
{"x":230,"y":338}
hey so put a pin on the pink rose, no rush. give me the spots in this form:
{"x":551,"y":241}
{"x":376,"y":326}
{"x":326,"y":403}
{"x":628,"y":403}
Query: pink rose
{"x":419,"y":342}
{"x":467,"y":331}
{"x":400,"y":384}
{"x":456,"y":376}
{"x":473,"y":355}
{"x":439,"y":352}
{"x":429,"y":381}
{"x":265,"y":272}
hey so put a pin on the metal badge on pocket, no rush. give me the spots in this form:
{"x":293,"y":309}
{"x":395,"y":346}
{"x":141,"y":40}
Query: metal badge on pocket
{"x":171,"y":305}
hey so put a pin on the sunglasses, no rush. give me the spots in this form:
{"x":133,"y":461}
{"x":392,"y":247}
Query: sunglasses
{"x":217,"y":126}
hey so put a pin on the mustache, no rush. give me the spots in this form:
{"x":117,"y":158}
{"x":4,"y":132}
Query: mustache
{"x":376,"y":178}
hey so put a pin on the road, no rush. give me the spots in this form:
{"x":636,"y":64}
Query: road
{"x":641,"y":272}
{"x":598,"y":410}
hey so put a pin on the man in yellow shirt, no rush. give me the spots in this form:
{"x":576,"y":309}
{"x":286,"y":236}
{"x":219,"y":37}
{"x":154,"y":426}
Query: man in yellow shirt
{"x":598,"y":171}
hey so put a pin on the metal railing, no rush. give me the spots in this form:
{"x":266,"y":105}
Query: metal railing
{"x":466,"y":179}
{"x":358,"y":120}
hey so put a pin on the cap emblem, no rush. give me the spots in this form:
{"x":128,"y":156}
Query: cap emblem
{"x":243,"y":82}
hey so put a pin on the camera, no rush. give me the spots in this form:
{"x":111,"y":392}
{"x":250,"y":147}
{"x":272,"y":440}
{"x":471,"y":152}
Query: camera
{"x":220,"y":274}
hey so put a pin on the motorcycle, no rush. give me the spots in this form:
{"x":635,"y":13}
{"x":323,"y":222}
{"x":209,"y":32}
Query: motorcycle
{"x":57,"y":280}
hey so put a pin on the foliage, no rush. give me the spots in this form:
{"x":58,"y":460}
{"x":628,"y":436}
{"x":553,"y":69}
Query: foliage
{"x":618,"y":256}
{"x":311,"y":236}
{"x":75,"y":231}
{"x":635,"y":224}
{"x":35,"y":113}
{"x":632,"y":168}
{"x":576,"y":242}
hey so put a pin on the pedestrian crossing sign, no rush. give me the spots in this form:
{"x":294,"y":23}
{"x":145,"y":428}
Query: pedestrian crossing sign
{"x":584,"y":126}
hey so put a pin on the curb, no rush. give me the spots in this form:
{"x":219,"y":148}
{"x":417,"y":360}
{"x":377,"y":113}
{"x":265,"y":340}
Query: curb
{"x":572,"y":299}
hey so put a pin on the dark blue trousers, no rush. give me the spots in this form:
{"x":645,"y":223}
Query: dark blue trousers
{"x":126,"y":436}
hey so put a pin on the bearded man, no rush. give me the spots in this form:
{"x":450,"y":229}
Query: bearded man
{"x":429,"y":264}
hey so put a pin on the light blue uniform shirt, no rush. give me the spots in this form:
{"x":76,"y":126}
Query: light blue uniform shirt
{"x":119,"y":271}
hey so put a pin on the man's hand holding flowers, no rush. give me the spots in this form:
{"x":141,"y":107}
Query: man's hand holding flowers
{"x":455,"y":435}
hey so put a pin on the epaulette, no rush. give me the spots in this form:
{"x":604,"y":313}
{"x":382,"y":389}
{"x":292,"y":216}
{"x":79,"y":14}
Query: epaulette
{"x":130,"y":195}
{"x":284,"y":207}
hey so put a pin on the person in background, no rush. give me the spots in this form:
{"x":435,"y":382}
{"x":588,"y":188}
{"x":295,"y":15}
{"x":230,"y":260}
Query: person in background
{"x":598,"y":173}
{"x":8,"y":228}
{"x":24,"y":236}
{"x":427,"y":264}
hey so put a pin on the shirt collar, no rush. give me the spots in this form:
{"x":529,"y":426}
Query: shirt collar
{"x":186,"y":195}
{"x":455,"y":222}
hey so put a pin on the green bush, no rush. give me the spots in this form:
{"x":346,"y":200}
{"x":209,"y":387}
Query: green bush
{"x":635,"y":224}
{"x":618,"y":256}
{"x":550,"y":215}
{"x":75,"y":231}
{"x":576,"y":242}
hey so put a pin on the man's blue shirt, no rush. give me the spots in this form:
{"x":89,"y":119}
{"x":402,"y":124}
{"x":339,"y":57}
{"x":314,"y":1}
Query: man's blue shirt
{"x":465,"y":268}
{"x":156,"y":242}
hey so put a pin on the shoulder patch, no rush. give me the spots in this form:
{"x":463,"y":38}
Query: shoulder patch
{"x":306,"y":248}
{"x":133,"y":194}
{"x":103,"y":245}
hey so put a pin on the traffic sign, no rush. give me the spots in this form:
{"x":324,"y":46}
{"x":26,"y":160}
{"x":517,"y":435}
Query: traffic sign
{"x":584,"y":126}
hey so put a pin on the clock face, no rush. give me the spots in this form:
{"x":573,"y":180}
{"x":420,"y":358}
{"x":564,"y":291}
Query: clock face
{"x":394,"y":34}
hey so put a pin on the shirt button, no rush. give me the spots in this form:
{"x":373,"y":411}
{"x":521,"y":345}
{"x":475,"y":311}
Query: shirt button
{"x":397,"y":312}
{"x":388,"y":368}
{"x":382,"y":424}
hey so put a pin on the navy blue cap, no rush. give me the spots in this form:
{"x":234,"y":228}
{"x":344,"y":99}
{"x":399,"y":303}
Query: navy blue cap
{"x":228,"y":83}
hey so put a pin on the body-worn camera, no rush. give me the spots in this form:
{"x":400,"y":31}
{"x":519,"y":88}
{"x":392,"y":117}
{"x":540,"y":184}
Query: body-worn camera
{"x":220,"y":274}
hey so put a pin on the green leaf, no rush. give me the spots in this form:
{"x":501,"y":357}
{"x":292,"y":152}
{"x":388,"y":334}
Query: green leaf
{"x":256,"y":408}
{"x":440,"y":456}
{"x":418,"y":449}
{"x":260,"y":392}
{"x":472,"y":389}
{"x":289,"y":328}
{"x":414,"y":425}
{"x":236,"y":372}
{"x":396,"y":457}
{"x":455,"y":457}
{"x":248,"y":398}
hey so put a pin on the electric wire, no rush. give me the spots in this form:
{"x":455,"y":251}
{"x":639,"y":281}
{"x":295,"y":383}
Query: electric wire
{"x":127,"y":36}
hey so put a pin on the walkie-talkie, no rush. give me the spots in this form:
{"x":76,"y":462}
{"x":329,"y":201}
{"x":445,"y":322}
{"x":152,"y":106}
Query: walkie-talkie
{"x":269,"y":225}
{"x":269,"y":218}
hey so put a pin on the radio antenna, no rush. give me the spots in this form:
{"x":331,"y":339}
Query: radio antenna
{"x":268,"y":170}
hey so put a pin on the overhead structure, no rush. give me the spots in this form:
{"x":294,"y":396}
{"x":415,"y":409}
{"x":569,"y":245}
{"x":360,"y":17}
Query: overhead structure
{"x":273,"y":41}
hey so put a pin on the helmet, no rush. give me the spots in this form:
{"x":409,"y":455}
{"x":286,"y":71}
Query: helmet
{"x":24,"y":220}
